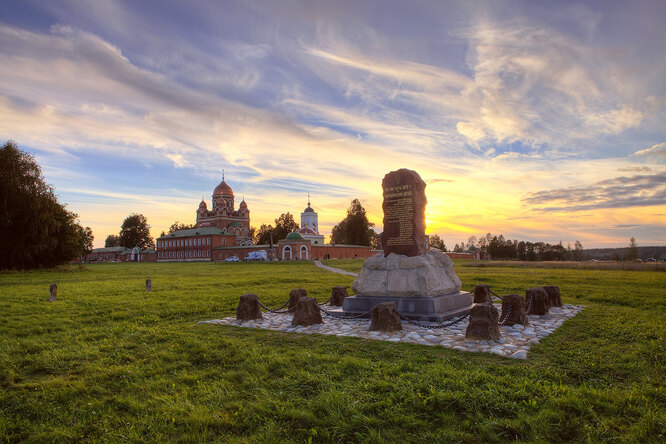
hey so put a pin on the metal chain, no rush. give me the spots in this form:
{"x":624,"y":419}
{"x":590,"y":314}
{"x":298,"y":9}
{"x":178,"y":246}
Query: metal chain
{"x":529,"y":304}
{"x":344,"y":315}
{"x":277,"y":310}
{"x":431,"y":326}
{"x":505,"y":315}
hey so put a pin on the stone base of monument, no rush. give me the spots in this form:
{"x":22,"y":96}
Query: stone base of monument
{"x":423,"y":288}
{"x":428,"y":309}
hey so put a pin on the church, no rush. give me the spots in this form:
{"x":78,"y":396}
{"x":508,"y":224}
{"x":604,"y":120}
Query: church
{"x":224,"y":231}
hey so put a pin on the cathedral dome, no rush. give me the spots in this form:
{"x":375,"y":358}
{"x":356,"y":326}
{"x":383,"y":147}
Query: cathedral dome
{"x":307,"y":230}
{"x":203,"y":205}
{"x":243,"y":205}
{"x":294,"y":235}
{"x":309,"y":210}
{"x":223,"y":189}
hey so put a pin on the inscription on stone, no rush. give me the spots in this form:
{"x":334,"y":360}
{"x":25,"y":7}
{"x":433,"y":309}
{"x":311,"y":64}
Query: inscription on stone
{"x":404,"y":213}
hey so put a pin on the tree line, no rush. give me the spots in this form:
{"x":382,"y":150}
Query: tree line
{"x":500,"y":248}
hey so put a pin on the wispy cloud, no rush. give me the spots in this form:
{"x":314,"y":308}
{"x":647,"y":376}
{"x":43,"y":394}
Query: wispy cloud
{"x":620,"y":192}
{"x":658,"y":150}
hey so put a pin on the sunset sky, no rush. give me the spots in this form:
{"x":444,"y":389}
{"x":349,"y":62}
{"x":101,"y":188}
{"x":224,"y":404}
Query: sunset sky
{"x":541,"y":120}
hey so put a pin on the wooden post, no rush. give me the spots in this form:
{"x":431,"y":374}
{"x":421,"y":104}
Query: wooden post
{"x":54,"y":292}
{"x":148,"y":284}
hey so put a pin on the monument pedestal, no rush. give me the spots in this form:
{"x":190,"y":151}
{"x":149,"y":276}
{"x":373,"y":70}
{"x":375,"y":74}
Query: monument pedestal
{"x":427,"y":309}
{"x":424,"y":288}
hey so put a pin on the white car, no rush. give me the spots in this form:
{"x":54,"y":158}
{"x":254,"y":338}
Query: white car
{"x":232,"y":259}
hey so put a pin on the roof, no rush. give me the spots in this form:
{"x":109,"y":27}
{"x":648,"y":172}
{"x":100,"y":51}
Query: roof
{"x":294,"y":235}
{"x":223,"y":189}
{"x":110,"y":250}
{"x":309,"y":210}
{"x":307,"y":230}
{"x":201,"y":231}
{"x":236,"y":224}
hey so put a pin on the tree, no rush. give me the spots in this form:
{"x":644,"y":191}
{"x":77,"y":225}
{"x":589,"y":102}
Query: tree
{"x":135,"y":232}
{"x":35,"y":229}
{"x":86,"y":239}
{"x":354,"y":229}
{"x":263,"y":236}
{"x":284,"y":225}
{"x":179,"y":226}
{"x":577,"y":253}
{"x":375,"y":240}
{"x":632,"y":253}
{"x":112,"y":241}
{"x":437,"y":242}
{"x":458,"y":248}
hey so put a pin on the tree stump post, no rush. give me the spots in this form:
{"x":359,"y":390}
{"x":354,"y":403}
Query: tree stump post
{"x":537,"y":301}
{"x":248,"y":308}
{"x":554,"y":298}
{"x":295,"y":296}
{"x":482,"y":294}
{"x":338,"y":296}
{"x":483,"y":323}
{"x":513,"y":310}
{"x":149,"y":285}
{"x":385,"y":317}
{"x":307,"y":312}
{"x":53,"y":292}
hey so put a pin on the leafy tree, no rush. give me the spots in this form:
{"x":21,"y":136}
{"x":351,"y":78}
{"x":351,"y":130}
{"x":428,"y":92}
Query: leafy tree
{"x":135,"y":232}
{"x":437,"y":242}
{"x":284,"y":225}
{"x":354,"y":229}
{"x":263,"y":236}
{"x":35,"y":229}
{"x":86,"y":239}
{"x":458,"y":248}
{"x":577,"y":254}
{"x":471,"y":242}
{"x":112,"y":241}
{"x":179,"y":226}
{"x":632,"y":253}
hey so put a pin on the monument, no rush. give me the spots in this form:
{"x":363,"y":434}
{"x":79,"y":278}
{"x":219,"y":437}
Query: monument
{"x":421,"y":282}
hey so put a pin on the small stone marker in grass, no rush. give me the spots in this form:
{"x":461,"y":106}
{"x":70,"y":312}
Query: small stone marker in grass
{"x":385,"y":317}
{"x":554,"y":298}
{"x":149,"y":285}
{"x":338,"y":296}
{"x":248,"y":308}
{"x":483,"y":323}
{"x":53,"y":292}
{"x":482,"y":294}
{"x":537,"y":300}
{"x":307,"y":312}
{"x":513,"y":310}
{"x":295,"y":296}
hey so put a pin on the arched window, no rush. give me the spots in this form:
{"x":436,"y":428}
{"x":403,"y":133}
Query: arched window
{"x":304,"y":253}
{"x":286,"y":253}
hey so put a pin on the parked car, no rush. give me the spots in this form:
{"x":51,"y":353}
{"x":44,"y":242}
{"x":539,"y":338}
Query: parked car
{"x":232,"y":259}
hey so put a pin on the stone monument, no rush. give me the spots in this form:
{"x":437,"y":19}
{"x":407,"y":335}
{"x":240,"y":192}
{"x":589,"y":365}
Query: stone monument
{"x":421,"y":283}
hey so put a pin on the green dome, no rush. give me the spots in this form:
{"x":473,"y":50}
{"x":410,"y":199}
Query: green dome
{"x":236,"y":224}
{"x":294,"y":235}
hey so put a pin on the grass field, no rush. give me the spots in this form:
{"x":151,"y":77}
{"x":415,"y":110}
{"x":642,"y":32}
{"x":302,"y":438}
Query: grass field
{"x":110,"y":362}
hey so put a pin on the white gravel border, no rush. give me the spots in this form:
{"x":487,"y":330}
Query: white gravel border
{"x":514,"y":343}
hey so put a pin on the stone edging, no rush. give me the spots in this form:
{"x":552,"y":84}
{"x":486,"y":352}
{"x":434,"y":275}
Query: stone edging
{"x":515,"y":342}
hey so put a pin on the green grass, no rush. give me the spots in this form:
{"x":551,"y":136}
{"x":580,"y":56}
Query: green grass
{"x":110,"y":362}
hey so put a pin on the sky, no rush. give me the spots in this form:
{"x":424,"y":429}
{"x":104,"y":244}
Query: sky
{"x":540,"y":120}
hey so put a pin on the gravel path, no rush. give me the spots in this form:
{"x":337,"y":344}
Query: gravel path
{"x":334,"y":270}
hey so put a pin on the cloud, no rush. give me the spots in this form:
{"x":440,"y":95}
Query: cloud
{"x":620,"y":192}
{"x":635,"y":169}
{"x":439,"y":180}
{"x":655,"y":150}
